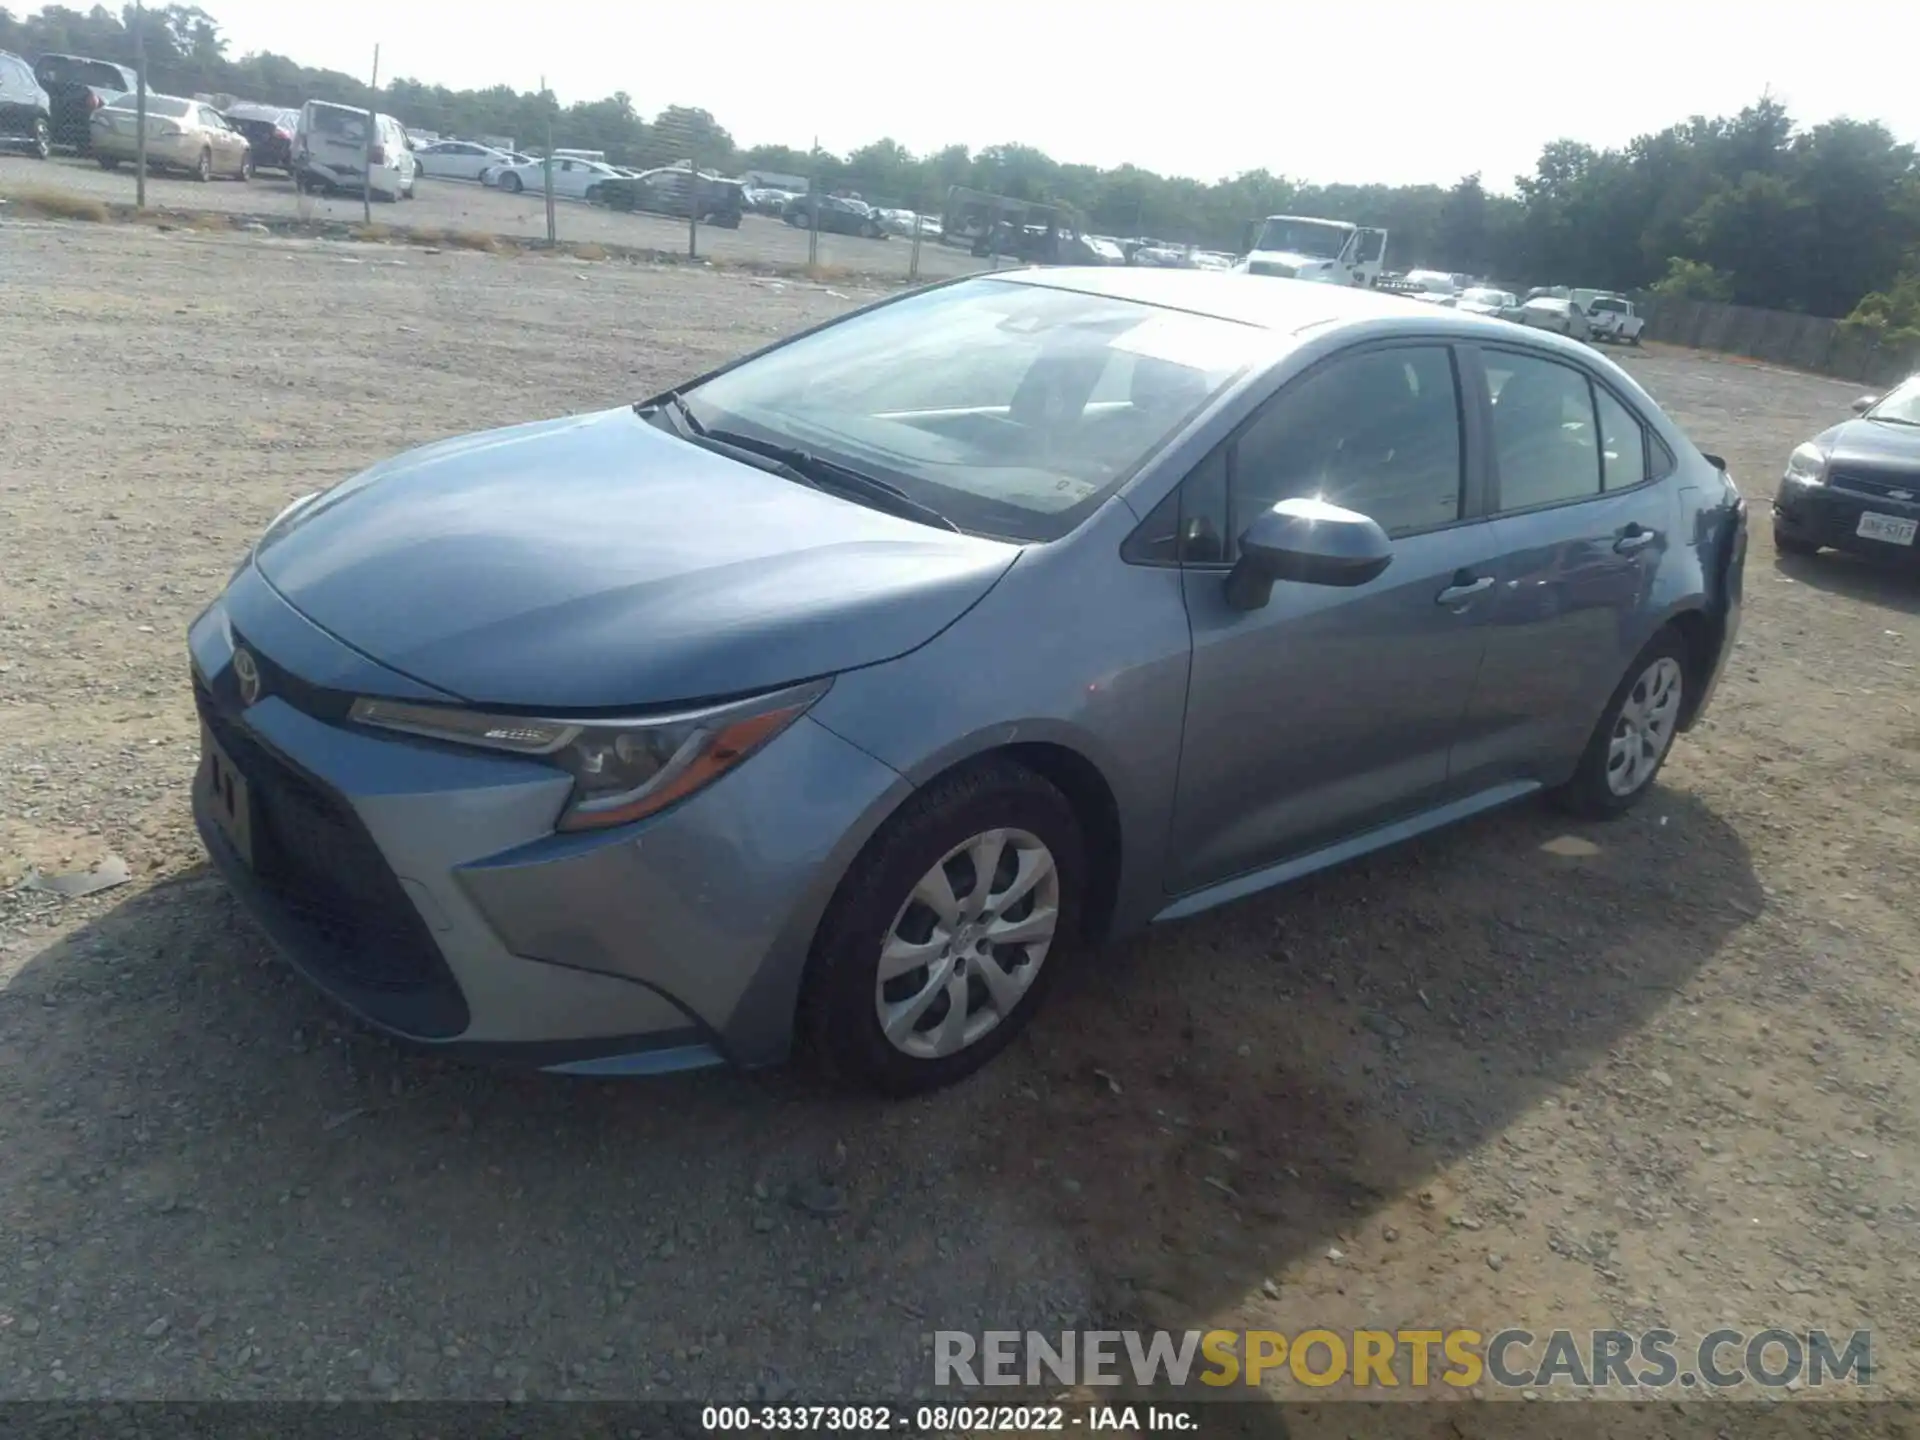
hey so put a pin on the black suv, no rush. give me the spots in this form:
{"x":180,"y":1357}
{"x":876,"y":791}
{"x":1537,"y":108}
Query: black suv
{"x":25,"y":119}
{"x":77,"y":86}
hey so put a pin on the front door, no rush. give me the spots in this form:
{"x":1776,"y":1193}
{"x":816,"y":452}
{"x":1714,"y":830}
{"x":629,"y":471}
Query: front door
{"x":1329,"y":711}
{"x":1584,"y":525}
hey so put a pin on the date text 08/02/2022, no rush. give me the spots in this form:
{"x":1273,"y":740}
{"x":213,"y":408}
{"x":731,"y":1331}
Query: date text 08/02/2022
{"x":941,"y":1419}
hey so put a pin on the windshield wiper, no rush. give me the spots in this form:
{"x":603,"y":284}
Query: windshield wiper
{"x":830,"y":475}
{"x":790,"y":462}
{"x":1889,"y":419}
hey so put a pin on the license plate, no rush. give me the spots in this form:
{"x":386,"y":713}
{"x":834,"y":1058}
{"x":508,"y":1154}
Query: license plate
{"x":1890,"y":528}
{"x":226,"y":791}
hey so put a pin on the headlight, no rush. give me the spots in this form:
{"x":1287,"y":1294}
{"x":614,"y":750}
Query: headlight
{"x":1807,"y":464}
{"x":622,"y":769}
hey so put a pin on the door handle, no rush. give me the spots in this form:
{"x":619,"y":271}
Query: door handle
{"x":1635,"y":537}
{"x":1464,"y":590}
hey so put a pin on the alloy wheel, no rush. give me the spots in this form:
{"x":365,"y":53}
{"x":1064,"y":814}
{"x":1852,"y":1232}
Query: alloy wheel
{"x":967,"y":944}
{"x":1645,"y":726}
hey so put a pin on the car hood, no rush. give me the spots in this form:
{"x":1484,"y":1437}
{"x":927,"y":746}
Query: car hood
{"x":599,"y":562}
{"x":1873,"y":445}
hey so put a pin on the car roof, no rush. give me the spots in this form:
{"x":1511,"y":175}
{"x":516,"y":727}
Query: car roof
{"x":1271,"y":303}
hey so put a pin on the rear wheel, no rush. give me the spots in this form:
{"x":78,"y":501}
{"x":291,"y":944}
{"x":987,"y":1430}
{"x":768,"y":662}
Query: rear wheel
{"x":203,"y":167}
{"x":511,"y":183}
{"x":939,"y":945}
{"x":246,"y":169}
{"x":108,"y":162}
{"x":1635,"y":734}
{"x":42,"y":140}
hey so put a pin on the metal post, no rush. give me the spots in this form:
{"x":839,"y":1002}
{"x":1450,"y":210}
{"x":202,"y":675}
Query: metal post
{"x":813,"y":208}
{"x":546,"y":169}
{"x":913,"y":255}
{"x":140,"y":106}
{"x":693,"y":209}
{"x":366,"y":152}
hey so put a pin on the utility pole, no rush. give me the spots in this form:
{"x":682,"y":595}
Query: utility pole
{"x":140,"y":105}
{"x":366,"y":175}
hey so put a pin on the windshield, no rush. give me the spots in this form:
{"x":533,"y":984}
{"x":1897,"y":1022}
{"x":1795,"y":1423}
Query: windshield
{"x":1013,"y":409}
{"x":1488,"y":297}
{"x":1304,"y":237}
{"x":164,"y":106}
{"x":1900,"y":405}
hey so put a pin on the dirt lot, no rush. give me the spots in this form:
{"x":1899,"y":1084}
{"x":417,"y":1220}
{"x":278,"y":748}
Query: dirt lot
{"x":457,"y":205}
{"x":1519,"y":1074}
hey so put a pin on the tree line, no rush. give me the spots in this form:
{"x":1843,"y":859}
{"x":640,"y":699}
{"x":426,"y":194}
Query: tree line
{"x":1750,"y":208}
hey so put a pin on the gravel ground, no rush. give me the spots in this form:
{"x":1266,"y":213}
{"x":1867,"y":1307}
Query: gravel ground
{"x":460,"y":205}
{"x":1517,"y":1074}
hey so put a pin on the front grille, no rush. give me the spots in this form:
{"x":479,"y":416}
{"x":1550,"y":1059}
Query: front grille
{"x":316,"y":864}
{"x":1879,"y":485}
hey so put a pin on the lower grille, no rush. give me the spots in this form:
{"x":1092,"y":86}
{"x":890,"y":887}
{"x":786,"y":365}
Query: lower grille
{"x":315,"y":863}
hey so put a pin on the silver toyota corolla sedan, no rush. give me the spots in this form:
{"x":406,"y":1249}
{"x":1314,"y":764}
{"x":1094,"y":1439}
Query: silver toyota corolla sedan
{"x":838,"y":694}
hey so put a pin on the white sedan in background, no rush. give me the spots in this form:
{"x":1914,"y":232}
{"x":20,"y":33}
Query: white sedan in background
{"x":1484,"y":300}
{"x":491,"y":174}
{"x":457,"y":159}
{"x":1563,"y":317}
{"x":571,"y":178}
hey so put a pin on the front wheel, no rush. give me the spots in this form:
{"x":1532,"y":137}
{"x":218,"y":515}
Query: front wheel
{"x":1635,"y":734}
{"x":246,"y":169}
{"x":42,"y":143}
{"x":203,"y":167}
{"x":942,"y":938}
{"x":108,"y":162}
{"x":1787,"y":544}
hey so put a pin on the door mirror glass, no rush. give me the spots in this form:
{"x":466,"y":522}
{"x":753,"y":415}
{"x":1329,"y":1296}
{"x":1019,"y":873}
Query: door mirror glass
{"x":1309,"y":542}
{"x":1865,"y":403}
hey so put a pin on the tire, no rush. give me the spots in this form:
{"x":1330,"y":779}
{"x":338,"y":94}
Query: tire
{"x":1634,"y":340}
{"x":1792,"y":544}
{"x":1657,"y":680}
{"x":936,"y":833}
{"x":40,"y":142}
{"x":203,"y":167}
{"x":109,"y":162}
{"x":511,"y":183}
{"x":246,"y":169}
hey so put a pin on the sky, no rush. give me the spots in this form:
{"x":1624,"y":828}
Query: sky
{"x":1383,"y":93}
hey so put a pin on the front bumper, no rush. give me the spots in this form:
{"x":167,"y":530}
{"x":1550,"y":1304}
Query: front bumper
{"x":424,"y":887}
{"x":1829,"y":513}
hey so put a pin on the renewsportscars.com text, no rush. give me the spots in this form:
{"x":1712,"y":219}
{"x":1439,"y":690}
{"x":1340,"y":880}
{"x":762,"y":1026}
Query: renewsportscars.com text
{"x":1415,"y":1358}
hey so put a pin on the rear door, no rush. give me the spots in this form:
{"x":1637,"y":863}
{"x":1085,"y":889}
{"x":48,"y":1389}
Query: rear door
{"x":337,"y":140}
{"x":18,"y":109}
{"x":1584,"y":522}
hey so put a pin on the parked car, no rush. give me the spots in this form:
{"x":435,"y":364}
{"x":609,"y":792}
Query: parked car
{"x":76,"y":86}
{"x":26,"y":117}
{"x":1856,"y":486}
{"x":571,"y":178}
{"x":668,"y":191}
{"x":332,"y":151}
{"x":765,"y":201}
{"x":838,"y":215}
{"x":269,"y":130}
{"x":491,"y":172}
{"x":1483,"y":300}
{"x":458,"y":159}
{"x":181,"y":135}
{"x":800,"y":765}
{"x":1563,"y":317}
{"x":1435,"y":287}
{"x":1613,"y":317}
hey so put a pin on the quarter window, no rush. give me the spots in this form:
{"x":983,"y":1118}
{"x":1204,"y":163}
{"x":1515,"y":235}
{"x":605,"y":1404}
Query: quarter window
{"x":1623,"y":444}
{"x":1377,"y":432}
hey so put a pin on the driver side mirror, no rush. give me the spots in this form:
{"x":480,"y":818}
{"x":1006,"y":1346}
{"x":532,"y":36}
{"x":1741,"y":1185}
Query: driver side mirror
{"x":1865,"y":403}
{"x":1309,"y":542}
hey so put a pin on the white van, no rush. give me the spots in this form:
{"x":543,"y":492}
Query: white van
{"x":331,"y":152}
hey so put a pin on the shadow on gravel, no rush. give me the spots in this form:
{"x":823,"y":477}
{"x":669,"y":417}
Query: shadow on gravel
{"x":191,"y":1132}
{"x":1856,"y":578}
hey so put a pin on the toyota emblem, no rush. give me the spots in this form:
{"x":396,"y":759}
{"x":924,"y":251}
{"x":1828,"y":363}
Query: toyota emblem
{"x":246,"y":670}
